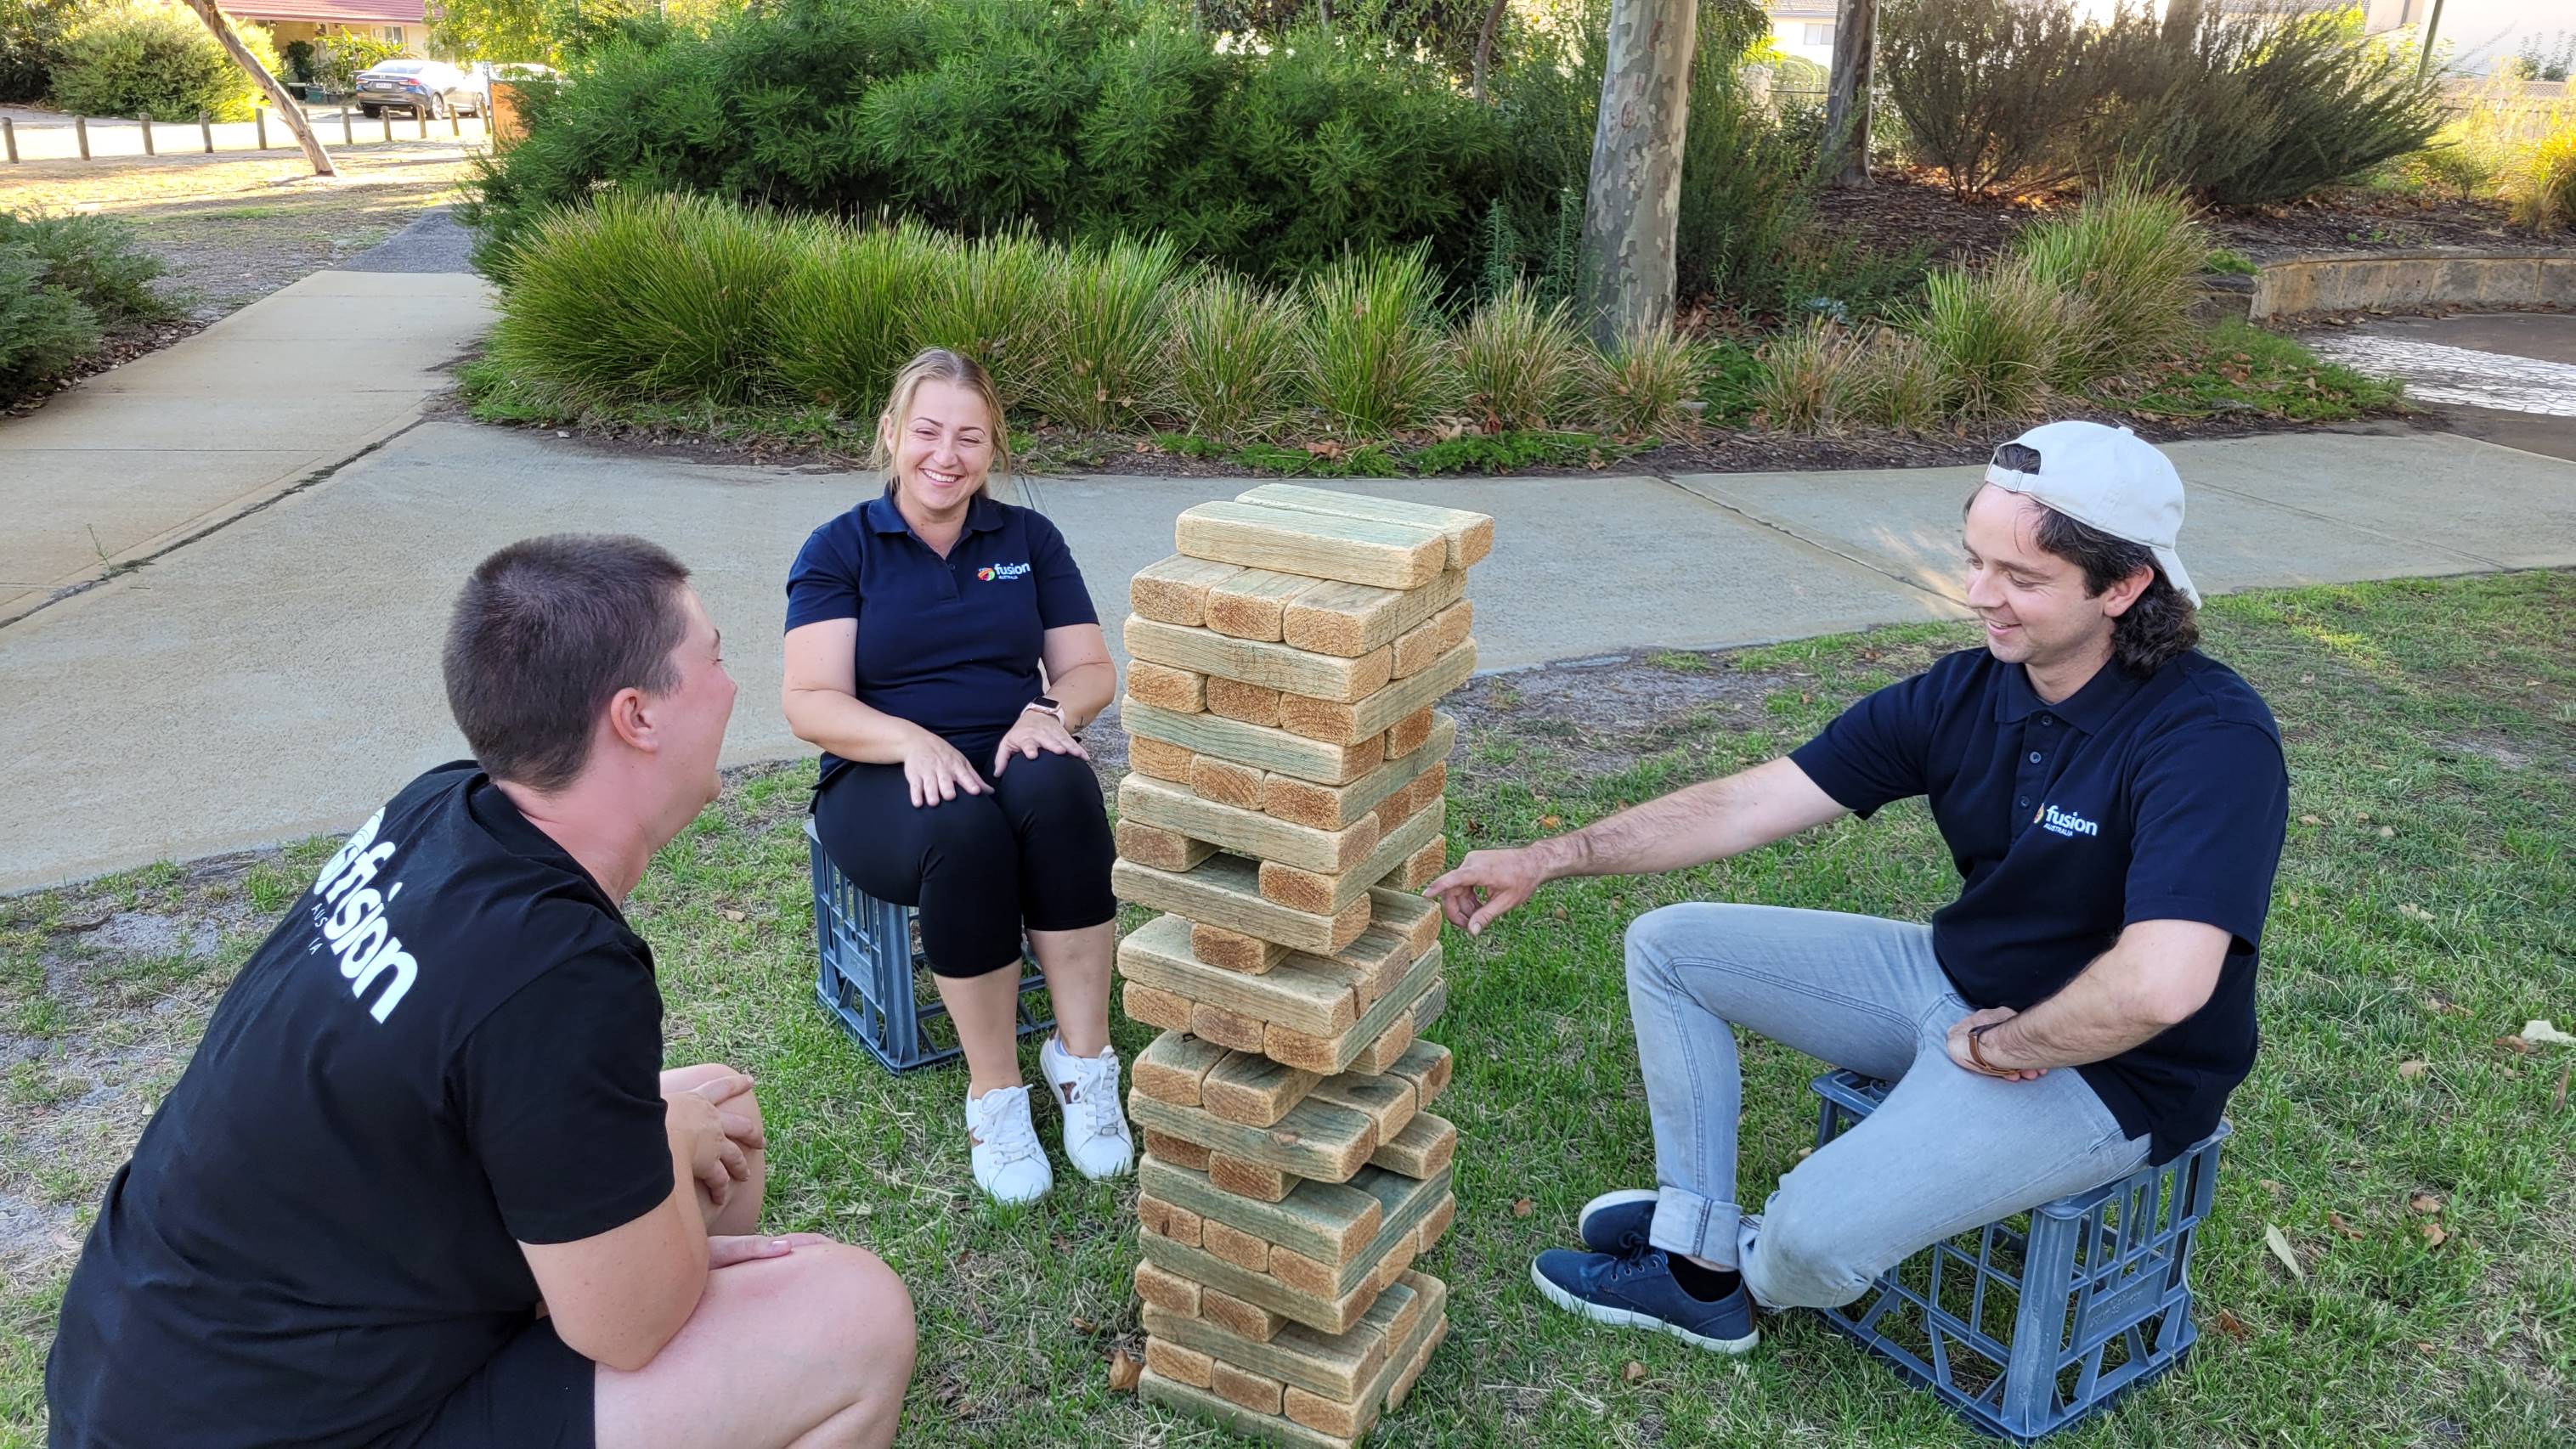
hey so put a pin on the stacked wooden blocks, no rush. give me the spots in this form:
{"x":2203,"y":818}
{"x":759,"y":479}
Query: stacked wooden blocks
{"x":1285,"y":807}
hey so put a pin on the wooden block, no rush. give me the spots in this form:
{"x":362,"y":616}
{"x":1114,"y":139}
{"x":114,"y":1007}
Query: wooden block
{"x":1167,"y":1290}
{"x":1402,"y":1388}
{"x":1255,"y":1090}
{"x":1258,"y":746}
{"x":1353,"y":619}
{"x":1313,"y":1140}
{"x":1236,"y":951}
{"x":1388,"y":1049}
{"x":1162,"y":849}
{"x":1388,"y":1100}
{"x":1427,"y":1065}
{"x":1158,"y":954}
{"x":1155,"y":758}
{"x":1372,"y":965}
{"x":1327,"y":894}
{"x":1172,"y":1066}
{"x":1250,"y":604}
{"x":1260,"y":1290}
{"x":1336,"y":807}
{"x":1346,"y":1381}
{"x":1236,"y":1316}
{"x":1332,"y":1366}
{"x":1200,"y":816}
{"x":1257,"y":1392}
{"x":1436,"y":1226}
{"x":1225,"y":890}
{"x":1332,"y":1055}
{"x":1175,"y":590}
{"x":1427,"y":1009}
{"x":1162,"y":1218}
{"x":1173,"y":1361}
{"x":1226,"y":782}
{"x":1402,"y":1312}
{"x":1392,"y":1266}
{"x":1228,"y":1028}
{"x":1419,"y":869}
{"x":1233,"y":699}
{"x":1320,"y":718}
{"x":1306,"y":1275}
{"x":1470,"y":535}
{"x":1324,"y":546}
{"x":1428,"y":786}
{"x":1164,"y":1147}
{"x":1328,"y":1221}
{"x":1250,"y":661}
{"x":1181,"y":690}
{"x":1235,"y":1246}
{"x":1409,"y":914}
{"x":1409,"y":733}
{"x":1250,"y":1179}
{"x":1421,"y":646}
{"x":1422,"y":1149}
{"x":1181,"y":1398}
{"x":1159,"y":1008}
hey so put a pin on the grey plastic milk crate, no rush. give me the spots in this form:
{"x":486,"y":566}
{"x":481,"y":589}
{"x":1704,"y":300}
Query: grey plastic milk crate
{"x":864,"y":976}
{"x":2024,"y":1331}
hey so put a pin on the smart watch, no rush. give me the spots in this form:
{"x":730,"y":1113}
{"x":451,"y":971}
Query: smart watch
{"x":1045,"y":704}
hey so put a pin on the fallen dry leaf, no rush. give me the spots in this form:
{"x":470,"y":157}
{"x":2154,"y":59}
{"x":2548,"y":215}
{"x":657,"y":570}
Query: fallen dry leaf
{"x":2542,"y":1033}
{"x":2279,"y":1243}
{"x":2413,"y":1068}
{"x":2343,"y":1225}
{"x":2310,"y":820}
{"x":2294,"y":898}
{"x":2361,"y":815}
{"x":2558,"y":1098}
{"x":1549,"y":822}
{"x":2233,"y":1326}
{"x":2425,"y":1202}
{"x":2388,"y":832}
{"x":2414,"y":912}
{"x":2514,"y":1044}
{"x":1084,"y":1325}
{"x":1634,"y":1373}
{"x":736,"y":916}
{"x":2434,"y":1237}
{"x":1124,"y":1370}
{"x":1522,"y":1207}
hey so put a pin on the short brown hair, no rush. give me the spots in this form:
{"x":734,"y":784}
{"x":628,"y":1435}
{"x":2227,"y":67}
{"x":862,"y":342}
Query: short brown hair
{"x":546,"y":632}
{"x":938,"y":364}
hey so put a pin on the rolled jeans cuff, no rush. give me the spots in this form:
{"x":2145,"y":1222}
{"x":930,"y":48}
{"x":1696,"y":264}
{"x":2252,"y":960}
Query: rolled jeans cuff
{"x":1695,"y":1226}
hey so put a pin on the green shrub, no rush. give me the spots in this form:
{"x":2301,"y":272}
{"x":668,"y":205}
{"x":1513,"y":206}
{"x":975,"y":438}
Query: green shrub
{"x":1995,"y":334}
{"x":1000,"y":303}
{"x":144,"y":57}
{"x":647,"y":299}
{"x":1901,"y":382}
{"x":1811,"y":377}
{"x":2232,"y":262}
{"x":342,"y":54}
{"x":1375,"y":356}
{"x":1518,"y":363}
{"x":1639,"y":388}
{"x":2538,"y":180}
{"x":97,"y":259}
{"x":1116,"y":300}
{"x":1989,"y":90}
{"x":1234,"y":360}
{"x":2128,"y":261}
{"x":43,"y":328}
{"x":31,"y":36}
{"x":839,"y":324}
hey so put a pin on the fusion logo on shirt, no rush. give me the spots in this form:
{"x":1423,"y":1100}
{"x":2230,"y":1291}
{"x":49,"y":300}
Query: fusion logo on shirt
{"x":2065,"y":822}
{"x":990,"y":572}
{"x":351,"y":917}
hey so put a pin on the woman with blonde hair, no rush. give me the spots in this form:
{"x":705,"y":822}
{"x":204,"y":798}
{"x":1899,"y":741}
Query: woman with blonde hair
{"x":944,"y":655}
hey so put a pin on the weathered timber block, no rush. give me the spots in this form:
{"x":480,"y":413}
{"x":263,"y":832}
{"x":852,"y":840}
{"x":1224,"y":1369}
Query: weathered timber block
{"x":1253,"y":704}
{"x":1229,"y":1028}
{"x":1175,"y":590}
{"x":1428,"y":1066}
{"x":1172,"y":1067}
{"x":1255,"y":1090}
{"x":1164,"y":1147}
{"x":1314,"y":1140}
{"x":1155,"y":758}
{"x":1390,"y":1046}
{"x":1422,"y":646}
{"x":1236,"y":951}
{"x":1388,"y":1100}
{"x":1167,"y":1290}
{"x":1329,"y":894}
{"x":1183,"y":691}
{"x":1409,"y":733}
{"x":1170,"y":1220}
{"x":1234,"y":1245}
{"x":1328,"y":1221}
{"x":1328,"y":1315}
{"x":1424,"y":1148}
{"x":1409,"y":914}
{"x":1245,"y":832}
{"x":1355,"y":619}
{"x":1436,"y":1226}
{"x":1402,"y":1388}
{"x":1250,"y":604}
{"x":1338,"y":807}
{"x":1372,"y":965}
{"x":1225,"y":890}
{"x":1162,"y":849}
{"x":1332,"y":1366}
{"x":1159,"y":1008}
{"x":1250,"y":661}
{"x":1225,"y":782}
{"x":1158,"y":954}
{"x":1258,"y":1392}
{"x":1332,"y":1055}
{"x":1257,"y":746}
{"x":1322,"y":546}
{"x":1470,"y":535}
{"x":1338,"y":722}
{"x":1248,"y":1319}
{"x":1419,"y":869}
{"x":1383,"y":1396}
{"x":1171,"y":1359}
{"x":1250,"y":1179}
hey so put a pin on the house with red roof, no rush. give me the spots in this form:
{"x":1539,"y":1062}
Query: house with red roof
{"x":402,"y":22}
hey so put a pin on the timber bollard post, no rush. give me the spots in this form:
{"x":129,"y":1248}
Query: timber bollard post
{"x":348,"y":137}
{"x":388,"y":118}
{"x":455,"y":123}
{"x":422,"y":115}
{"x":80,"y":130}
{"x":146,"y":119}
{"x":259,"y":121}
{"x":206,"y":128}
{"x":9,"y":134}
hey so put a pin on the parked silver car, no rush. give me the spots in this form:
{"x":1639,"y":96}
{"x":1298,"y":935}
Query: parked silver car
{"x":427,"y":88}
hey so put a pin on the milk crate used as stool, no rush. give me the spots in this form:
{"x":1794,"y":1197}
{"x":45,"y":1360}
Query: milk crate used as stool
{"x":865,"y":974}
{"x":2024,"y":1331}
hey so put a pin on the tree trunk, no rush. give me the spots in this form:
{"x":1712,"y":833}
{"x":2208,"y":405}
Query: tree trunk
{"x":1633,"y":203}
{"x":1847,"y":92}
{"x":1485,"y":46}
{"x":287,"y":109}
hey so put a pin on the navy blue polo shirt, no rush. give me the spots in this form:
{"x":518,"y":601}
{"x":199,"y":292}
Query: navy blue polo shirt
{"x":2133,"y":799}
{"x":951,"y":644}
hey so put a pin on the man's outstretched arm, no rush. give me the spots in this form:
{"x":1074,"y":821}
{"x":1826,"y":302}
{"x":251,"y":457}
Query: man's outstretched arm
{"x":1691,"y":826}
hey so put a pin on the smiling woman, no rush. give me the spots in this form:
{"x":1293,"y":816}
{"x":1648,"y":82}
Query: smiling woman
{"x":944,"y":654}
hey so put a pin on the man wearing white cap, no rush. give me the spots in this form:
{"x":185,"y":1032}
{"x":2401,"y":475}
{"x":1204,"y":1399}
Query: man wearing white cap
{"x":2114,"y":801}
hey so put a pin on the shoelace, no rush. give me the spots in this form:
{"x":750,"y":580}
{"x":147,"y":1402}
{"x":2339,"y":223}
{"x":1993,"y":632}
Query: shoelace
{"x":1010,"y":1134}
{"x":1643,"y":1260}
{"x":1095,"y":1090}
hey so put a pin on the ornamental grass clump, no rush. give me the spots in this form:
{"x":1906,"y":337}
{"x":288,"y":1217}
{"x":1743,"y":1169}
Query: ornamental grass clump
{"x":1810,"y":378}
{"x":2128,"y":262}
{"x":1376,"y":359}
{"x":1233,"y":362}
{"x":1519,"y":363}
{"x":1107,"y":368}
{"x":841,"y":333}
{"x":1639,"y":387}
{"x":1900,"y":382}
{"x":1000,"y":301}
{"x":1996,"y":335}
{"x":2538,"y":180}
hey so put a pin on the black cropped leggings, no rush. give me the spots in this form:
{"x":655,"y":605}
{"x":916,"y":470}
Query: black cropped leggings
{"x":1034,"y":853}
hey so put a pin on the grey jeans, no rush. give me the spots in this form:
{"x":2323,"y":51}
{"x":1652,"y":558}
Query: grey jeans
{"x":1949,"y":1150}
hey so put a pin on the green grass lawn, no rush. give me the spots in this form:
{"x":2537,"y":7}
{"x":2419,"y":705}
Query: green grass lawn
{"x":2426,"y":908}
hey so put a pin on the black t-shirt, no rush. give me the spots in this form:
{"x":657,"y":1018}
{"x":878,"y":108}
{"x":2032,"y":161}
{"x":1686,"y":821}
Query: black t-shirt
{"x":2162,"y":798}
{"x":451,"y":1045}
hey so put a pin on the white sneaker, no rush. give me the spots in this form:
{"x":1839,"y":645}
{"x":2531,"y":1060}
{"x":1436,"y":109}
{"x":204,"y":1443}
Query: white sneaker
{"x":1095,"y":1120}
{"x":1009,"y":1164}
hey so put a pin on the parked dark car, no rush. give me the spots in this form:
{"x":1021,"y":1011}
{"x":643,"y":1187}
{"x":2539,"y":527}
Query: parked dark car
{"x":428,"y":88}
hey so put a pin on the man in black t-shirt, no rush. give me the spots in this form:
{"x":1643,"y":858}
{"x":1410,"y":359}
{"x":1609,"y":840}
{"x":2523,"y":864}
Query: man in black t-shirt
{"x":424,"y":1183}
{"x":2114,"y":801}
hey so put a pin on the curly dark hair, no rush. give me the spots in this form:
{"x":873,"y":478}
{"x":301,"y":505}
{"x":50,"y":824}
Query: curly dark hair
{"x":2161,"y":625}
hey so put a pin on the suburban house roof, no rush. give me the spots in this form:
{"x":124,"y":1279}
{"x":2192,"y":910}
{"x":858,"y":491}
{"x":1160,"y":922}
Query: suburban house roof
{"x":332,"y":12}
{"x":1800,"y":9}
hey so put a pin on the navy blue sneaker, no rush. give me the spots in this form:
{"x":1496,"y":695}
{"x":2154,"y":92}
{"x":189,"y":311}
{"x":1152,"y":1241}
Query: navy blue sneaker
{"x":1617,"y":1222}
{"x":1636,"y":1289}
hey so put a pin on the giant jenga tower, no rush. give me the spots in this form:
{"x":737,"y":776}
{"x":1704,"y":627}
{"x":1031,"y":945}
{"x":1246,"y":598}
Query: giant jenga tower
{"x":1285,"y":807}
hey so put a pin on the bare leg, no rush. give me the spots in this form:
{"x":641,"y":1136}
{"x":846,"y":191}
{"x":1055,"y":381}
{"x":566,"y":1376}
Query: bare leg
{"x":1077,"y":976}
{"x":741,"y":1211}
{"x":986,"y":1009}
{"x":807,"y":1351}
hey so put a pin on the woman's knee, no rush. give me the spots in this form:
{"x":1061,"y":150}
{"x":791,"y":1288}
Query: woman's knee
{"x":862,"y":1310}
{"x":1051,"y":792}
